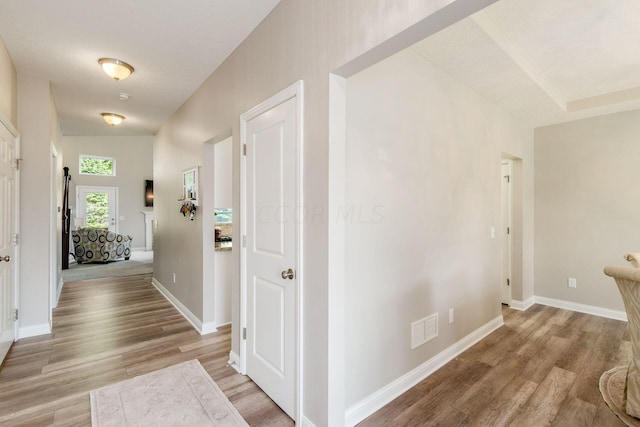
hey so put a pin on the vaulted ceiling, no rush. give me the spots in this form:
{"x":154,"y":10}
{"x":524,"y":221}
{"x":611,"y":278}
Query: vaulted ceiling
{"x":547,"y":61}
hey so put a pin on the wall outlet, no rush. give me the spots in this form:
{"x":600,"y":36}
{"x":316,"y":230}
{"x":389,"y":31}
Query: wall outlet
{"x":571,"y":282}
{"x":450,"y":315}
{"x":174,"y":277}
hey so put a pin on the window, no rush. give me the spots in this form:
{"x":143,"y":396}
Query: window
{"x":96,"y":165}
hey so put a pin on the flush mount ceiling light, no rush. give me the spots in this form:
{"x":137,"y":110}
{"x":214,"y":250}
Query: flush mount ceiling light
{"x":112,"y":118}
{"x":116,"y":69}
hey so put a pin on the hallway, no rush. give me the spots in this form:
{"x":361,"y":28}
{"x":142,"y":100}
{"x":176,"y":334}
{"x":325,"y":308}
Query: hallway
{"x":105,"y":331}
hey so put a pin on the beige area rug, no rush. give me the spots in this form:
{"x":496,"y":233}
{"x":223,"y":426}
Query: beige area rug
{"x":180,"y":395}
{"x":141,"y":262}
{"x":612,"y":390}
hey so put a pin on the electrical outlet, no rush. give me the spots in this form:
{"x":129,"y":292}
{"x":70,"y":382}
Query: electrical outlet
{"x":571,"y":282}
{"x":450,"y":315}
{"x":174,"y":277}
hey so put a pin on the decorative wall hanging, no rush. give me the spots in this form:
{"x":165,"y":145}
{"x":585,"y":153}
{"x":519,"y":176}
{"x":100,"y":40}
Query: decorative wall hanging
{"x":188,"y":208}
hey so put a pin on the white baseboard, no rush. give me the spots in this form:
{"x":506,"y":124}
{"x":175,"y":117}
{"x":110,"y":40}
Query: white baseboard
{"x":305,"y":422}
{"x":208,"y":327}
{"x":141,"y":249}
{"x":186,"y":313}
{"x":234,"y":361}
{"x":386,"y":394}
{"x":583,"y":308}
{"x":33,"y":331}
{"x":223,"y":324}
{"x":60,"y":285}
{"x":522,"y":305}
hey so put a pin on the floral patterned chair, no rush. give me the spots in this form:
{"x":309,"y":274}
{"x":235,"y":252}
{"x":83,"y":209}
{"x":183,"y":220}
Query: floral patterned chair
{"x":100,"y":245}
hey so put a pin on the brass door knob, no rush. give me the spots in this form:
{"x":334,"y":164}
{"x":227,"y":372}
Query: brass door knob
{"x":289,"y":274}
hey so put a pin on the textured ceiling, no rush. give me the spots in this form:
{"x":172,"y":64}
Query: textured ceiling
{"x":547,"y":61}
{"x":174,"y":46}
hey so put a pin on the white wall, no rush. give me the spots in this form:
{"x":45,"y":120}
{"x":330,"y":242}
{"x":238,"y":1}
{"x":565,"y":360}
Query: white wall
{"x":422,"y":193}
{"x":223,"y":198}
{"x":37,"y":124}
{"x":587,"y":206}
{"x":134,"y":164}
{"x":298,"y":40}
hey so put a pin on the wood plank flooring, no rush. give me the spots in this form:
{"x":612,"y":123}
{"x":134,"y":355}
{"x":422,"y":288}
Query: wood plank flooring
{"x":541,"y":369}
{"x":109,"y":330}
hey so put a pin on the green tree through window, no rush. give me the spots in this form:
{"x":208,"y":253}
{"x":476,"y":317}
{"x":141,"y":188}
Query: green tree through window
{"x":97,"y":166}
{"x":97,"y":210}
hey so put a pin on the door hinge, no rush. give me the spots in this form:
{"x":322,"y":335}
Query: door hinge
{"x":244,"y":333}
{"x":244,"y":241}
{"x":16,"y":239}
{"x":508,"y":178}
{"x":15,"y":314}
{"x":508,"y":282}
{"x":16,"y":164}
{"x":508,"y":230}
{"x":244,"y":149}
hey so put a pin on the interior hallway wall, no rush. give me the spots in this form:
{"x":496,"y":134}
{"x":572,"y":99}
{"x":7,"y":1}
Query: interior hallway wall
{"x":587,"y":207}
{"x":423,"y":193}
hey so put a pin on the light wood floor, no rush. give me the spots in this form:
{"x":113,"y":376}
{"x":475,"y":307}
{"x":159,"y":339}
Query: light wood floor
{"x":540,"y":369}
{"x":109,"y":330}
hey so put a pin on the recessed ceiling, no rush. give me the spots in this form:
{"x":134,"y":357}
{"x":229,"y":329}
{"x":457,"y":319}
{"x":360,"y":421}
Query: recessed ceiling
{"x":174,"y":46}
{"x":547,"y":61}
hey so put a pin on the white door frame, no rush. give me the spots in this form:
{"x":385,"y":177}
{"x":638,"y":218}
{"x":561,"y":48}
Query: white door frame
{"x":16,"y":202}
{"x":508,"y":236}
{"x":293,"y":91}
{"x":98,"y":189}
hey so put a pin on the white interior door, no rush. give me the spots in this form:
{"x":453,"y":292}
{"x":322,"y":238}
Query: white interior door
{"x":8,"y":231}
{"x":506,"y":232}
{"x":271,"y":253}
{"x":98,"y":206}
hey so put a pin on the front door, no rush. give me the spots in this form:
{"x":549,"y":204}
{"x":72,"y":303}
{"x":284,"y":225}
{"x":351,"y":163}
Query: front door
{"x":8,"y":233}
{"x":98,"y":206}
{"x":271,"y":255}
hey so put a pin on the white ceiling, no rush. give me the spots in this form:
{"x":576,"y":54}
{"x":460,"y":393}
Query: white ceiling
{"x":174,"y":45}
{"x":547,"y":61}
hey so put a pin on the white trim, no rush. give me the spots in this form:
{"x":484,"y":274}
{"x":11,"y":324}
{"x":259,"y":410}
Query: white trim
{"x":522,"y":305}
{"x":295,"y":91}
{"x":367,"y":406}
{"x":60,"y":285}
{"x":583,"y":308}
{"x":306,"y":422}
{"x":220,"y":325}
{"x":10,"y":127}
{"x":140,"y":249}
{"x":234,"y":361}
{"x":33,"y":331}
{"x":336,"y":327}
{"x":202,"y":329}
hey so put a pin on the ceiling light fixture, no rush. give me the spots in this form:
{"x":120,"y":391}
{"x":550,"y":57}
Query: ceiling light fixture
{"x":115,"y":68}
{"x":112,"y":118}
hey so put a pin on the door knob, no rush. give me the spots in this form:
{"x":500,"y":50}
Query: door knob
{"x":289,"y":274}
{"x":7,"y":258}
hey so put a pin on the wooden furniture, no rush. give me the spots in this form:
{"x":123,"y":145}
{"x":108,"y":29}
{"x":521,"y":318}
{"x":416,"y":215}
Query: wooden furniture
{"x":628,"y":281}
